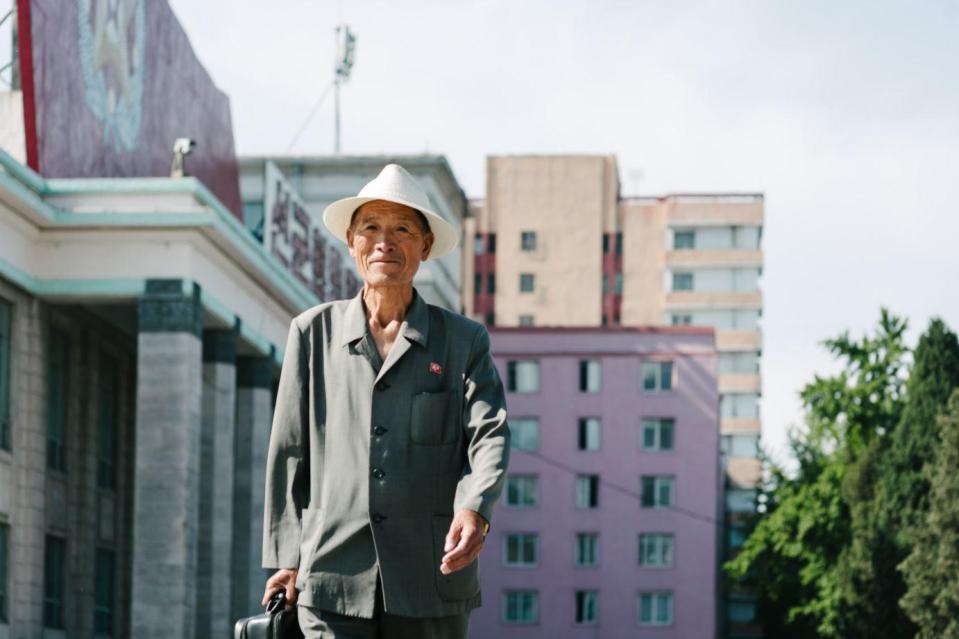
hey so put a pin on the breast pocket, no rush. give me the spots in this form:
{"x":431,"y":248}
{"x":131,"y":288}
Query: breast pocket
{"x":433,"y":419}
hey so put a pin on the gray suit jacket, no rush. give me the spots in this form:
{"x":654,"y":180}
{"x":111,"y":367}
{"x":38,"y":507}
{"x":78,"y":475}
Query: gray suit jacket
{"x":365,"y":469}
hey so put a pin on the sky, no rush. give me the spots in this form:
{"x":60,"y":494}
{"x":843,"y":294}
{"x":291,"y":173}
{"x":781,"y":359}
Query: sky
{"x":843,"y":114}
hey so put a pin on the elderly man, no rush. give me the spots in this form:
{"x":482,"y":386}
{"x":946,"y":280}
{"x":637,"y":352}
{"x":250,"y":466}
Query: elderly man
{"x":389,"y":442}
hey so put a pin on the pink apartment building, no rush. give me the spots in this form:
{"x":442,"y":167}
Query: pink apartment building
{"x":610,"y":522}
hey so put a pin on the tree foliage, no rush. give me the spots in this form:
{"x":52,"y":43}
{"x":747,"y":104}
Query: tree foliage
{"x":794,"y":552}
{"x":887,"y":493}
{"x":932,"y":568}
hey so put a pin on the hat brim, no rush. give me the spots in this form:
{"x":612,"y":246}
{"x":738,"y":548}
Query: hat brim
{"x":337,"y":217}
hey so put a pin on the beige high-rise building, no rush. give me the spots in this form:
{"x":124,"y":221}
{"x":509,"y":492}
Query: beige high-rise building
{"x":555,"y":244}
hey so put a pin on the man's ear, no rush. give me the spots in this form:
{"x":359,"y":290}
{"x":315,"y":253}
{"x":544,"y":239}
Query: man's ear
{"x":428,"y":244}
{"x":349,"y":242}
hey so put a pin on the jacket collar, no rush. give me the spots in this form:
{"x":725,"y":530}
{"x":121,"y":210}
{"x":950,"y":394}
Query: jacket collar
{"x":415,"y":326}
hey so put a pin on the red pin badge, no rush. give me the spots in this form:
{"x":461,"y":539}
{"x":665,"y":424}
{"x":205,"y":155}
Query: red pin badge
{"x":436,"y":369}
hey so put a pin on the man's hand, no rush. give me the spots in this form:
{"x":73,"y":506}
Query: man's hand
{"x":283,"y":579}
{"x":464,"y":541}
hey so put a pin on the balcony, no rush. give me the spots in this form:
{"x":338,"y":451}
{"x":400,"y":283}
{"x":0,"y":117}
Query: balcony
{"x":740,"y":383}
{"x":698,"y":258}
{"x":698,"y":299}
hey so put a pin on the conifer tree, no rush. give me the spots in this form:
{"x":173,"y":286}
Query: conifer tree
{"x":931,"y":570}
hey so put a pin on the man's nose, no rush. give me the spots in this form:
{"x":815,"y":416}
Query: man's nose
{"x":386,"y":240}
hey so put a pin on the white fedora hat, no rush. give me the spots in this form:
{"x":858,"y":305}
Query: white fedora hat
{"x":393,"y":184}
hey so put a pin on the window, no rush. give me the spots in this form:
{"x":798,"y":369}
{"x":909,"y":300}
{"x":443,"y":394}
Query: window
{"x":657,"y":491}
{"x":524,"y":433}
{"x":739,"y":362}
{"x":587,"y":602}
{"x":589,"y":375}
{"x":684,"y":239}
{"x":521,"y":549}
{"x":491,"y":242}
{"x":605,"y":243}
{"x":740,"y":445}
{"x":745,"y":405}
{"x":253,"y":218}
{"x":57,"y":399}
{"x":4,"y":553}
{"x":520,"y":606}
{"x":655,"y":608}
{"x":54,"y":558}
{"x":736,"y":534}
{"x":478,"y":245}
{"x":656,"y":550}
{"x":491,"y":318}
{"x":525,"y":320}
{"x":528,"y":240}
{"x":682,"y":281}
{"x":588,"y":433}
{"x":6,"y":312}
{"x":741,"y":609}
{"x":605,"y":283}
{"x":619,"y":243}
{"x":618,"y":284}
{"x":105,"y":570}
{"x":587,"y":549}
{"x":587,"y":491}
{"x":522,"y":376}
{"x":740,"y":500}
{"x":107,"y":424}
{"x":477,"y":282}
{"x":657,"y":376}
{"x":491,"y":282}
{"x":681,"y":319}
{"x":522,"y":491}
{"x":527,"y":282}
{"x":658,"y":434}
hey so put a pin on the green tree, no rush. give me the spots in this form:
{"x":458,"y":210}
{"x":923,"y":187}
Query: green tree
{"x":935,"y":374}
{"x":887,"y":494}
{"x":792,"y":556}
{"x":932,"y":568}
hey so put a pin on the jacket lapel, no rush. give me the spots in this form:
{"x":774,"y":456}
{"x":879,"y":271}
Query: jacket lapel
{"x":415,"y":328}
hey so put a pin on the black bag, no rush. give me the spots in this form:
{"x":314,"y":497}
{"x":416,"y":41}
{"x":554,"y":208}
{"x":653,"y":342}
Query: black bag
{"x":278,"y":622}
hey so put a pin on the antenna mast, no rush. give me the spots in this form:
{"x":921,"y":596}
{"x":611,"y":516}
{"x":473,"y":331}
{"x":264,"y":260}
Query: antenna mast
{"x":345,"y":46}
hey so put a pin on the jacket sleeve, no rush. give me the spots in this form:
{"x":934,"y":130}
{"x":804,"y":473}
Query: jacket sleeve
{"x":487,"y":433}
{"x":287,"y":460}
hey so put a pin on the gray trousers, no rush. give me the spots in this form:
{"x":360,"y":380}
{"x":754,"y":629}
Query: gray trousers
{"x":324,"y":624}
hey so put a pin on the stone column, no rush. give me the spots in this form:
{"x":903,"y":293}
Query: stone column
{"x":215,"y":560}
{"x":29,"y":477}
{"x":166,"y":500}
{"x":254,"y":414}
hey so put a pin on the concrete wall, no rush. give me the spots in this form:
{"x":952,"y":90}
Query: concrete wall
{"x":567,"y":201}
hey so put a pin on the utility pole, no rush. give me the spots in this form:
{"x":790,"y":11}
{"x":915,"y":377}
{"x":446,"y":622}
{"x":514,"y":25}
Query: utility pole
{"x":345,"y":46}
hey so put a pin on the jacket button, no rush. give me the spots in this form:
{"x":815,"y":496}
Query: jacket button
{"x":382,"y":386}
{"x":377,"y":518}
{"x":378,"y":473}
{"x":379,"y":430}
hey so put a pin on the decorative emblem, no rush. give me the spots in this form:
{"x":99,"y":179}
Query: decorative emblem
{"x":436,"y":369}
{"x":111,"y":36}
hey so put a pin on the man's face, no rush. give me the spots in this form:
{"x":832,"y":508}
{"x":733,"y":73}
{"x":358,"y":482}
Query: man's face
{"x":387,"y":243}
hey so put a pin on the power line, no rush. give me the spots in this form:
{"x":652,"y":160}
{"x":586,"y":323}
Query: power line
{"x":622,"y":489}
{"x":316,"y":106}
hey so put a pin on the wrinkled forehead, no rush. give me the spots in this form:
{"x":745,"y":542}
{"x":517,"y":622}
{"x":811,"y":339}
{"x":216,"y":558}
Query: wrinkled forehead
{"x":383,"y":210}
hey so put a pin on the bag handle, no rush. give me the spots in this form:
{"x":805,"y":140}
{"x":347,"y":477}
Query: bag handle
{"x":276,"y":602}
